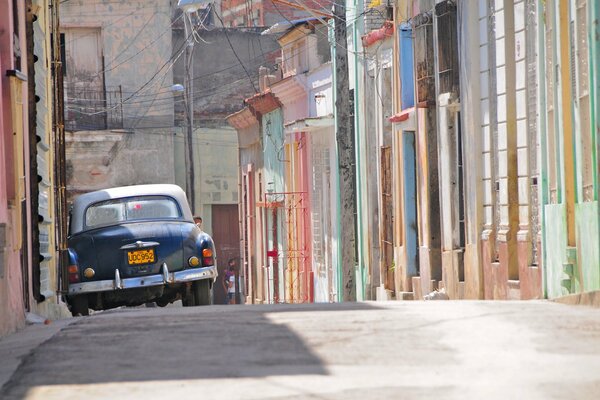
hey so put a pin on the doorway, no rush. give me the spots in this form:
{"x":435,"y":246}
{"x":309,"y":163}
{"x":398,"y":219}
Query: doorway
{"x":226,"y":235}
{"x":410,"y":203}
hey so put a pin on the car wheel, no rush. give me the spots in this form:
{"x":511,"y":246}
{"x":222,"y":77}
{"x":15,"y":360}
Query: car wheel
{"x":188,"y":299}
{"x":162,"y":302}
{"x":79,"y":306}
{"x":202,"y":292}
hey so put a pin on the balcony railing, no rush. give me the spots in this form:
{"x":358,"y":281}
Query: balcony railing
{"x":92,"y":109}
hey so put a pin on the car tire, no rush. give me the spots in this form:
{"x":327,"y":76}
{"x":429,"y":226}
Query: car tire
{"x":188,"y":300}
{"x":162,"y":302}
{"x":202,"y":292}
{"x":79,"y":306}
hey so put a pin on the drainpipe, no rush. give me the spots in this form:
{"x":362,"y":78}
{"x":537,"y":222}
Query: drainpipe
{"x":359,"y":5}
{"x":543,"y":198}
{"x":337,"y":193}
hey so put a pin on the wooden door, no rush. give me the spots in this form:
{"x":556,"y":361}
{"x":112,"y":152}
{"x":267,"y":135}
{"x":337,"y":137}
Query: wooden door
{"x":226,"y":235}
{"x":387,"y":225}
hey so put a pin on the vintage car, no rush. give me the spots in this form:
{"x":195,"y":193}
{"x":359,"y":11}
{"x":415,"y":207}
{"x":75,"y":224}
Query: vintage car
{"x":134,"y":245}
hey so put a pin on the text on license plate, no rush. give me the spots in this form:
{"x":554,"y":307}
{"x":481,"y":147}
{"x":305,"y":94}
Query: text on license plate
{"x":140,"y":256}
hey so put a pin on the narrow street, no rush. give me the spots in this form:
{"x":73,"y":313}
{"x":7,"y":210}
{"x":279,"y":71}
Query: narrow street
{"x":384,"y":350}
{"x":322,"y":167}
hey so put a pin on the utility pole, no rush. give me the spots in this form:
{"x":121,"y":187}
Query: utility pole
{"x":189,"y":137}
{"x":189,"y":7}
{"x":345,"y":146}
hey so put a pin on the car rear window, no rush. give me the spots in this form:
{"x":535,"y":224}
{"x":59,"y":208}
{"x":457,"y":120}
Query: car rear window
{"x":131,"y":209}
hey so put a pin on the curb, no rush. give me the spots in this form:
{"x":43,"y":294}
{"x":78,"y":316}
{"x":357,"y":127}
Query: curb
{"x":591,"y":299}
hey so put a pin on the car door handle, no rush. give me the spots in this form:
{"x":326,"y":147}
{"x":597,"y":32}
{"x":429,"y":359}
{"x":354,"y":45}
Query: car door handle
{"x":139,"y":245}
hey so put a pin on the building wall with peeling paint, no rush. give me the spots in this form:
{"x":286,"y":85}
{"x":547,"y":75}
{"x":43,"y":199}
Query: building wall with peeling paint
{"x":120,"y":124}
{"x":568,"y":63}
{"x":220,"y":85}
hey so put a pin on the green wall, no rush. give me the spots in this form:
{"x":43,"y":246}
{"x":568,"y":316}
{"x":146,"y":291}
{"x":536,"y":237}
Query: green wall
{"x":588,"y":253}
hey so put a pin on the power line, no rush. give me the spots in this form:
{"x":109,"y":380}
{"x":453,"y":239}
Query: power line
{"x":155,"y":95}
{"x":235,"y":53}
{"x":136,"y":54}
{"x":168,"y":101}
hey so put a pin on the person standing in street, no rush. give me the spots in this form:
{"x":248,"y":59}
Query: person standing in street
{"x":229,"y":282}
{"x":198,"y":221}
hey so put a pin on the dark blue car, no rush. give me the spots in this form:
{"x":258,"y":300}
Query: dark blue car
{"x":134,"y":245}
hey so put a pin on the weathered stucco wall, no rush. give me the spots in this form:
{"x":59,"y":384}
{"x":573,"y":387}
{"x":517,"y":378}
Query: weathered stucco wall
{"x":555,"y":240}
{"x":101,"y":159}
{"x":220,"y":83}
{"x":588,"y":253}
{"x":216,"y":166}
{"x":136,"y":44}
{"x":13,"y":120}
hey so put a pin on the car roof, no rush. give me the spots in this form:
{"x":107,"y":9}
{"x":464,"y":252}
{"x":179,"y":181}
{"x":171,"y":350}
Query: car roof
{"x":83,"y":201}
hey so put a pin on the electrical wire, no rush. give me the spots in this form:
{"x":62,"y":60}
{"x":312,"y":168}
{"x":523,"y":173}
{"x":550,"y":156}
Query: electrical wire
{"x":153,"y":100}
{"x":155,"y":95}
{"x":196,"y":95}
{"x":136,"y":54}
{"x":236,"y":55}
{"x":358,"y":54}
{"x":209,"y":74}
{"x":170,"y":60}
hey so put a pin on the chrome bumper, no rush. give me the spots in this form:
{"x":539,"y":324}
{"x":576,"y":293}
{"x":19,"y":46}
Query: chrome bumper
{"x":164,"y":278}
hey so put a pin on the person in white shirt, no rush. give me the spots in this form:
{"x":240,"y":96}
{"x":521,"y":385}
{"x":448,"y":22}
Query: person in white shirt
{"x":229,"y":283}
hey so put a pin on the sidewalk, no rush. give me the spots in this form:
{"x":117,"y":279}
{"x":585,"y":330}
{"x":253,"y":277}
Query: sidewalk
{"x":15,"y":347}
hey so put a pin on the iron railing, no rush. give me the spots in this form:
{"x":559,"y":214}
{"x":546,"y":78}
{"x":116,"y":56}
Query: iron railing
{"x":92,"y":109}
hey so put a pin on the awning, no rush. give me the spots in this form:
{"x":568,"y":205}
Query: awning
{"x":310,"y":124}
{"x":284,"y":26}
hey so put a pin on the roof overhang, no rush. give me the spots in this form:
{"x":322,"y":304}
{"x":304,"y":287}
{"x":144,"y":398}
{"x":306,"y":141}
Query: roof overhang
{"x":286,"y":26}
{"x":242,"y":119}
{"x":405,"y":120}
{"x":263,"y":103}
{"x":311,"y":124}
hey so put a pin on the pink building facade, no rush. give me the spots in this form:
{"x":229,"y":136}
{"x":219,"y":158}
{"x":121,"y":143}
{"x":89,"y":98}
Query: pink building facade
{"x":29,"y":266}
{"x":13,"y":122}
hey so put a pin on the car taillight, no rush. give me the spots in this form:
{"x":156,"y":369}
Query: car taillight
{"x":207,"y":257}
{"x":73,"y":274}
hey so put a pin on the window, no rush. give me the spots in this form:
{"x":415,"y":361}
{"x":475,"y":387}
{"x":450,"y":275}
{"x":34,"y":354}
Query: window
{"x":424,"y":57}
{"x":16,"y":39}
{"x":447,"y":45}
{"x":113,"y":211}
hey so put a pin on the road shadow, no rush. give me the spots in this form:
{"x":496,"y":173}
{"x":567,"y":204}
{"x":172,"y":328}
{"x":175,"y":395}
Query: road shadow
{"x":151,"y":344}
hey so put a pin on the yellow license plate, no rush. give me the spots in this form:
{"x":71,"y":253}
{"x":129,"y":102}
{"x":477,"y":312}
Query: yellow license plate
{"x":140,"y":257}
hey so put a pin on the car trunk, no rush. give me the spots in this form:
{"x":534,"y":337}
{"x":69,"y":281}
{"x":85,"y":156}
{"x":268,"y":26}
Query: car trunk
{"x":168,"y":242}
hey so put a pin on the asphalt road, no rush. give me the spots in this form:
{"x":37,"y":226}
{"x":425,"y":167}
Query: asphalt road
{"x":392,"y":350}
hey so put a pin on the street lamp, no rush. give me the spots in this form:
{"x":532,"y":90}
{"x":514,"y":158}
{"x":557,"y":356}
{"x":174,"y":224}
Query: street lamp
{"x":188,"y":7}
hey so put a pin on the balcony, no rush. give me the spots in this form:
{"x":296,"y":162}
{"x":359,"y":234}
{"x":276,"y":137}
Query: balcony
{"x":93,"y":110}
